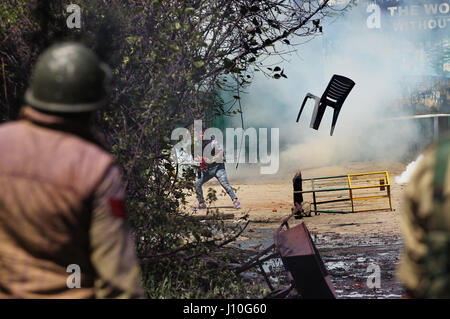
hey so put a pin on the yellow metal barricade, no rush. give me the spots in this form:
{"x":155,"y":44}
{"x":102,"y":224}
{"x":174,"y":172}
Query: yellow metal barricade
{"x":370,"y":191}
{"x":350,"y":193}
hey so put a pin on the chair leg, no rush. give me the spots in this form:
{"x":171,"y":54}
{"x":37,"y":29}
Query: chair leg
{"x":301,"y":108}
{"x":309,"y":95}
{"x":335,"y":117}
{"x":319,"y":110}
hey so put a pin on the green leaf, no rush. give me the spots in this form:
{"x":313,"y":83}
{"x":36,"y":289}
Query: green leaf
{"x":227,"y":63}
{"x":235,"y":70}
{"x":199,"y":64}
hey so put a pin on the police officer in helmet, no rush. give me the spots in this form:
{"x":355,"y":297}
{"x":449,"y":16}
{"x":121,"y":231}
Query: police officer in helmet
{"x":63,"y":226}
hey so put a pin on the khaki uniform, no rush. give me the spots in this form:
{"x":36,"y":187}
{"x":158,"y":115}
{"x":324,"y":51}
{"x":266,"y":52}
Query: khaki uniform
{"x":425,"y":224}
{"x":61,"y":204}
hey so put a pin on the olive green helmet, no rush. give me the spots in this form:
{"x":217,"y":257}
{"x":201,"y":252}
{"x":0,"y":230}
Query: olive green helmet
{"x":68,"y":78}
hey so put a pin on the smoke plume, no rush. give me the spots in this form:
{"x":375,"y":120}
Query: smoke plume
{"x":377,"y":61}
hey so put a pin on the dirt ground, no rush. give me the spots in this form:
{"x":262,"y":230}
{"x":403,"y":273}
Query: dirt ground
{"x":350,"y":244}
{"x":267,"y":203}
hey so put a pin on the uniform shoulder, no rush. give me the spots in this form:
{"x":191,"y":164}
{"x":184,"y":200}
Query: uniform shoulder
{"x":10,"y":125}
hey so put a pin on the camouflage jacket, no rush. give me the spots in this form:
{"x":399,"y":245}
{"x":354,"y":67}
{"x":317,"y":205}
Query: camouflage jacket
{"x":425,"y":224}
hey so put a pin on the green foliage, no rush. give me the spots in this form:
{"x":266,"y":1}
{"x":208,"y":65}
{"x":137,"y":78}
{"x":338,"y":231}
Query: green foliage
{"x":10,"y":15}
{"x":200,"y":278}
{"x":172,"y":61}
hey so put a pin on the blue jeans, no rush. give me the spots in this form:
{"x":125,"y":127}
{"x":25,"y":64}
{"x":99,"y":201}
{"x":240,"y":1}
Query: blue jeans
{"x":217,"y":171}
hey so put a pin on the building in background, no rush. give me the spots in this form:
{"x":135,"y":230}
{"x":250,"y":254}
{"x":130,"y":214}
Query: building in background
{"x":415,"y":34}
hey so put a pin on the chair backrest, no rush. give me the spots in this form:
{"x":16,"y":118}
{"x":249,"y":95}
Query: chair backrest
{"x":337,"y":90}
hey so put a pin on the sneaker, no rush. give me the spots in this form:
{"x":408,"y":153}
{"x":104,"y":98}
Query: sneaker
{"x":236,"y":204}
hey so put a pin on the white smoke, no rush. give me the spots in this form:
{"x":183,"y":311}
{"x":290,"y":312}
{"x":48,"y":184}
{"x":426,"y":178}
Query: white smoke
{"x":378,"y":62}
{"x":406,"y":175}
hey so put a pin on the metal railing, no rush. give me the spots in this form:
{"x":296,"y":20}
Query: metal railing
{"x":361,"y":192}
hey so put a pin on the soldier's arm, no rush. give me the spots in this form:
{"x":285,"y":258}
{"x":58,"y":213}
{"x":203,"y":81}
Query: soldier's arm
{"x":113,"y":252}
{"x":417,"y":205}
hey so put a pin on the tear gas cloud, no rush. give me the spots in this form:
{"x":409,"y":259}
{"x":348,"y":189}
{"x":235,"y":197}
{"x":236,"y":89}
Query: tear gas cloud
{"x":406,"y":175}
{"x":377,"y":60}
